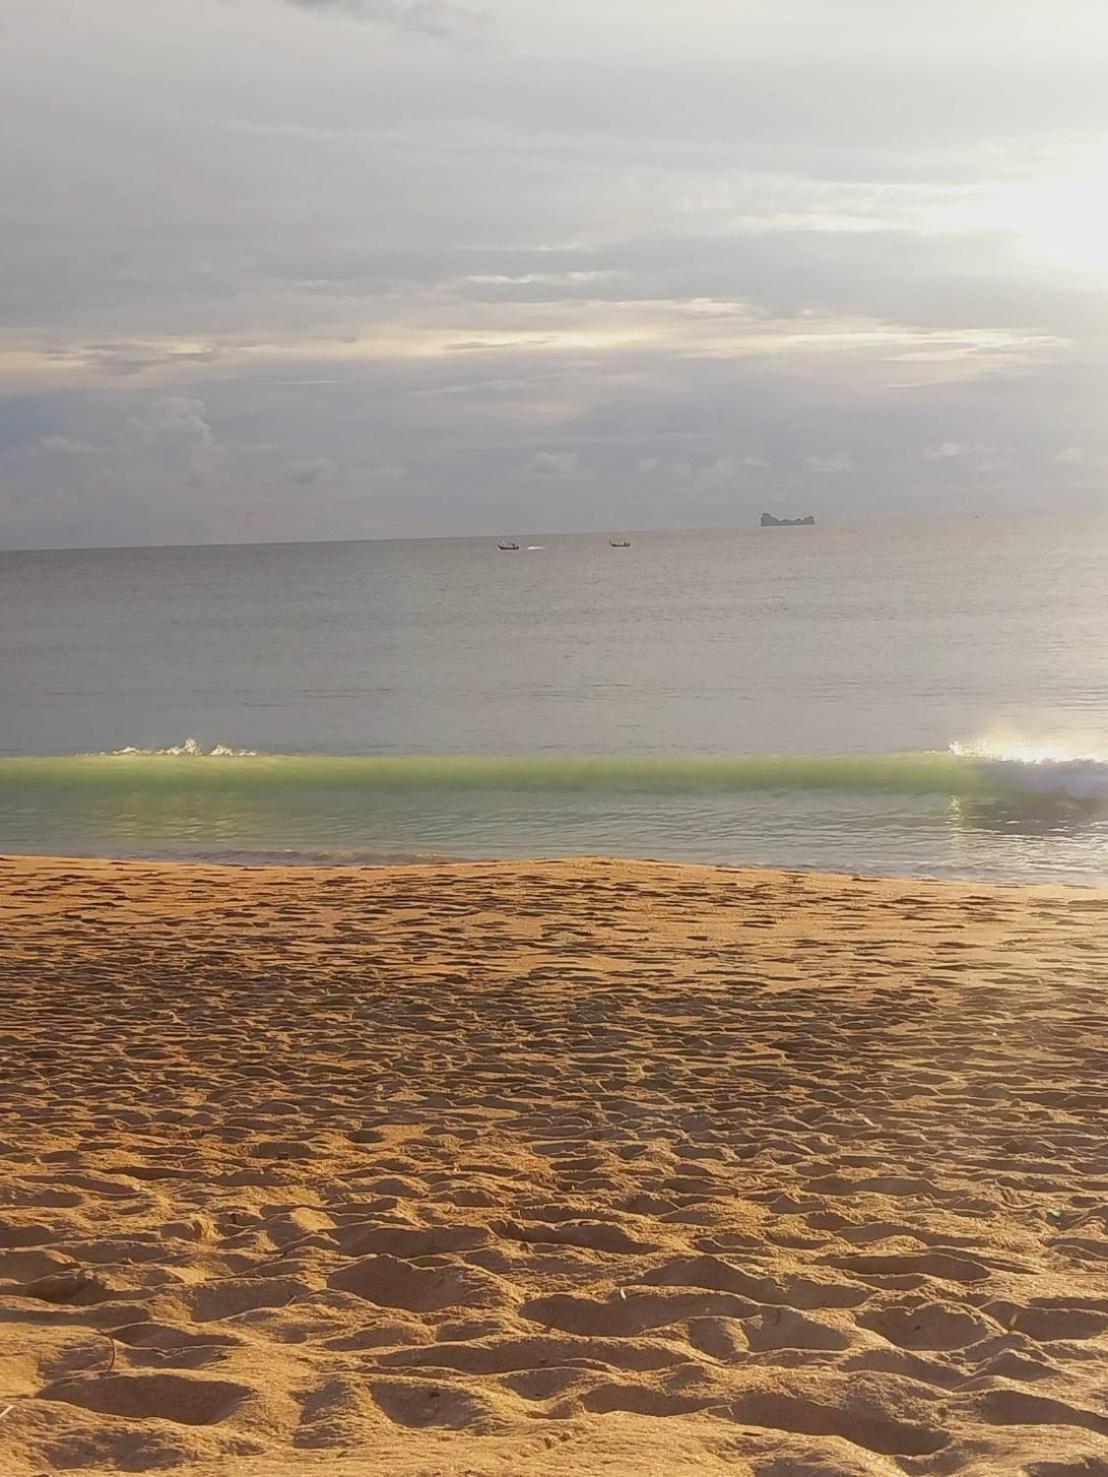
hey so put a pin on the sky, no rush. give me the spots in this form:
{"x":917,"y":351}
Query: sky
{"x":323,"y":269}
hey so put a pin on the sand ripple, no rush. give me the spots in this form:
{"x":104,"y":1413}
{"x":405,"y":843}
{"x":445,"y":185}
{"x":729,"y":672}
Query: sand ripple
{"x":572,"y":1167}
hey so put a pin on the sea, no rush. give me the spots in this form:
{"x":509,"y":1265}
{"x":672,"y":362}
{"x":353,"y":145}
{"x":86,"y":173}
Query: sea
{"x":921,"y":697}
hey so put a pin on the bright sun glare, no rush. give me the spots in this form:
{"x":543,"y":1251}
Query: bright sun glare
{"x":1021,"y":751}
{"x":1062,"y":220}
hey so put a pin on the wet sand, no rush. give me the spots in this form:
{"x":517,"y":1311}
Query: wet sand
{"x":572,"y":1167}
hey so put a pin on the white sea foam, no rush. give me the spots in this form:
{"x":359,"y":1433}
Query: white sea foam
{"x":1039,"y":767}
{"x":190,"y":749}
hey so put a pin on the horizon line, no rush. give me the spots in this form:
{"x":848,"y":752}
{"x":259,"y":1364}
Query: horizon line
{"x":622,"y":531}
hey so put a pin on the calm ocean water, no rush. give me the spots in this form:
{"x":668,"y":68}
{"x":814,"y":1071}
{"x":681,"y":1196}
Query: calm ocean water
{"x":778,"y":696}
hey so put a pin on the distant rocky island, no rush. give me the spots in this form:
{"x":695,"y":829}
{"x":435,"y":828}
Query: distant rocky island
{"x":769,"y":521}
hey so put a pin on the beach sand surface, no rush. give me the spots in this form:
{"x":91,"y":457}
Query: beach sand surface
{"x":560,"y":1167}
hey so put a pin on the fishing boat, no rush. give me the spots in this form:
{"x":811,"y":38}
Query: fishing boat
{"x":620,"y":543}
{"x":506,"y":543}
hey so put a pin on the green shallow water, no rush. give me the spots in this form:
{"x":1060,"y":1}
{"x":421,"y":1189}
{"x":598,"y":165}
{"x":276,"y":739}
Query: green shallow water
{"x":162,"y":774}
{"x":927,"y":813}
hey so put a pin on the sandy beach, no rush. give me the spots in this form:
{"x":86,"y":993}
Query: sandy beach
{"x":569,"y":1167}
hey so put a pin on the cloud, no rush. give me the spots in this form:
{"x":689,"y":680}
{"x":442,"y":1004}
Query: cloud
{"x":427,"y":17}
{"x":994,"y":462}
{"x":836,"y":461}
{"x":174,"y":420}
{"x":945,"y":450}
{"x":722,"y":469}
{"x":173,"y":436}
{"x":65,"y":445}
{"x":151,"y":479}
{"x":960,"y":450}
{"x":1072,"y":456}
{"x":307,"y":474}
{"x":553,"y":464}
{"x":321,"y":213}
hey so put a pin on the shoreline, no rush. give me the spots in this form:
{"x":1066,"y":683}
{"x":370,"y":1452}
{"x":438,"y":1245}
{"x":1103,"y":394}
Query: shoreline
{"x":517,"y":1168}
{"x":306,"y":862}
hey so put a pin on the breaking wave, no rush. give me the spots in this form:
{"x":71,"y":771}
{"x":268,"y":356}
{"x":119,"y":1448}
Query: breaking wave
{"x":961,"y":771}
{"x":1037,"y":768}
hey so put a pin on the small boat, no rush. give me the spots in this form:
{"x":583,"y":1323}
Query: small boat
{"x":506,"y":543}
{"x":620,"y":543}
